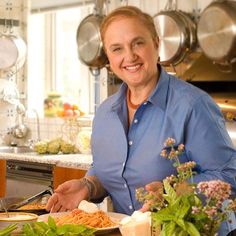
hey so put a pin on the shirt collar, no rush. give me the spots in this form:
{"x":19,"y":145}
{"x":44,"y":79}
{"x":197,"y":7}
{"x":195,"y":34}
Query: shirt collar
{"x":158,"y":97}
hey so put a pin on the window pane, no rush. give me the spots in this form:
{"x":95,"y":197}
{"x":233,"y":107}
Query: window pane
{"x":53,"y":62}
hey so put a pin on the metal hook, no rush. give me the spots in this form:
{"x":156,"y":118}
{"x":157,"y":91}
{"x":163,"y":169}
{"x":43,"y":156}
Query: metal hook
{"x":5,"y":28}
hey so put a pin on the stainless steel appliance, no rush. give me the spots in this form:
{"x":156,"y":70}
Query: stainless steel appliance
{"x":26,"y":178}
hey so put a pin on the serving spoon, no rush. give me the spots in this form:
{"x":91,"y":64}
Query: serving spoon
{"x":4,"y":206}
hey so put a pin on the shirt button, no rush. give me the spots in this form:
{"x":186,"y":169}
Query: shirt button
{"x":130,"y":207}
{"x":130,"y":142}
{"x":145,"y":103}
{"x":136,"y":121}
{"x":125,"y":185}
{"x":123,"y":164}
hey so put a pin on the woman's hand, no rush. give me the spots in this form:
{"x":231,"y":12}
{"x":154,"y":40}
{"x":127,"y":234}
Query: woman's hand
{"x":155,"y":188}
{"x":68,"y":196}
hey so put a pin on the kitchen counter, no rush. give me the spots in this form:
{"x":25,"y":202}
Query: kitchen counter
{"x":76,"y":161}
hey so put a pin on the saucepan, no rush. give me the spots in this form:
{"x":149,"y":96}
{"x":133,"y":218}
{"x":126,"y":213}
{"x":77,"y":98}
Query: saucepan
{"x":12,"y":52}
{"x":177,"y":33}
{"x":90,"y":49}
{"x":33,"y":204}
{"x":216,"y":32}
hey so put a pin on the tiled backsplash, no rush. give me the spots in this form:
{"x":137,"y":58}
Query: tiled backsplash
{"x":54,"y":127}
{"x":49,"y":128}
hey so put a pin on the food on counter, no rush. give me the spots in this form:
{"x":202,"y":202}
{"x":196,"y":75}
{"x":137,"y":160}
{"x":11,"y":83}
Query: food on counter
{"x":67,"y":148}
{"x":97,"y":219}
{"x":54,"y":146}
{"x":69,"y":110}
{"x":52,"y":104}
{"x":35,"y":206}
{"x":82,"y":142}
{"x":41,"y":147}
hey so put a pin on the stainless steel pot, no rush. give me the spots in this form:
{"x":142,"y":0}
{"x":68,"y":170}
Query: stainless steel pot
{"x":216,"y":31}
{"x":177,"y":33}
{"x":12,"y":52}
{"x":89,"y":42}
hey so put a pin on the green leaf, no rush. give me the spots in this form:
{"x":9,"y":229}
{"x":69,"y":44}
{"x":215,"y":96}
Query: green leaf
{"x":170,"y":195}
{"x":182,"y":207}
{"x":191,"y":229}
{"x":61,"y":230}
{"x":52,"y":223}
{"x":181,"y":223}
{"x":7,"y":230}
{"x":170,"y":228}
{"x":28,"y":230}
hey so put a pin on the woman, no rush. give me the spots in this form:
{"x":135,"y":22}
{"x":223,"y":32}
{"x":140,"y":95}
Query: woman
{"x":130,"y":127}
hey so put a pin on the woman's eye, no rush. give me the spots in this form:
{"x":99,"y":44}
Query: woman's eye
{"x":139,"y":42}
{"x":116,"y":49}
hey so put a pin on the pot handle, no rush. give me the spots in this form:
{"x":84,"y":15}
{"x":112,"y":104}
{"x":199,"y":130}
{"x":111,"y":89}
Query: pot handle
{"x":171,"y":5}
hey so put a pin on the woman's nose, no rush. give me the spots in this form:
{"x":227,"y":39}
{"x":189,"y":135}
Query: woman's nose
{"x":130,"y":55}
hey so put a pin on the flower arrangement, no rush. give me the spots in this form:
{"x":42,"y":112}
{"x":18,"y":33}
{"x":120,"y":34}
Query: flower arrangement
{"x":181,"y":207}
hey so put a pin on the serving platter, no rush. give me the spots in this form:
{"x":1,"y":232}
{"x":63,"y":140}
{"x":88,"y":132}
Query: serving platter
{"x":115,"y":217}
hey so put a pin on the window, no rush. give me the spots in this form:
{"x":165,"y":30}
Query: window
{"x":53,"y":63}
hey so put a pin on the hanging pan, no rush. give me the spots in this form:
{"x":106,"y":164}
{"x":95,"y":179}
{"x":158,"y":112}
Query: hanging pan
{"x":216,"y":32}
{"x":177,"y":34}
{"x":12,"y":52}
{"x":89,"y":42}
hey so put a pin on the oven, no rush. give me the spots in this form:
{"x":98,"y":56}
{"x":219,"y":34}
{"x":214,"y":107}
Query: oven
{"x":27,"y":178}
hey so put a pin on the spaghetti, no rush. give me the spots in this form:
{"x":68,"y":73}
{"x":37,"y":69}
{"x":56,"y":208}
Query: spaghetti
{"x":98,"y":219}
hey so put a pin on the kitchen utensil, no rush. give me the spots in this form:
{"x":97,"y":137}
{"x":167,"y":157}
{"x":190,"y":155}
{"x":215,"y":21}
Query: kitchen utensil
{"x":4,"y":206}
{"x":216,"y":32}
{"x":177,"y":34}
{"x":89,"y":42}
{"x":30,"y":199}
{"x":12,"y":52}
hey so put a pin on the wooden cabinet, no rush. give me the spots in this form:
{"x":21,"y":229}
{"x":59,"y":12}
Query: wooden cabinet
{"x":61,"y":175}
{"x":2,"y":178}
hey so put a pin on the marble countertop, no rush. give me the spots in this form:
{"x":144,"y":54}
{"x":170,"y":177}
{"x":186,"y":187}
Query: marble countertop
{"x":77,"y":161}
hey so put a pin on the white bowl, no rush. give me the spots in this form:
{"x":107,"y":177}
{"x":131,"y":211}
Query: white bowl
{"x":16,"y":217}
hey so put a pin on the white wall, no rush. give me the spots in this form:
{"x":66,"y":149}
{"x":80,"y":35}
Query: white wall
{"x":12,"y":10}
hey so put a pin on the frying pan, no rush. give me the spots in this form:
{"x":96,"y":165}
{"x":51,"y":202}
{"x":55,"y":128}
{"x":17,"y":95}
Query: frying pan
{"x":89,"y":42}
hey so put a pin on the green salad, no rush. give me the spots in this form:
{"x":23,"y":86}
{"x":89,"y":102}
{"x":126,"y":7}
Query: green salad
{"x":49,"y":228}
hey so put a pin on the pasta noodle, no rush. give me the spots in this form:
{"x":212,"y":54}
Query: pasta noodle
{"x":98,"y":219}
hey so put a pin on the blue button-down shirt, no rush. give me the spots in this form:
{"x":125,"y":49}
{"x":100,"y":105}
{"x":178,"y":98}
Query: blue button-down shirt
{"x":126,"y":158}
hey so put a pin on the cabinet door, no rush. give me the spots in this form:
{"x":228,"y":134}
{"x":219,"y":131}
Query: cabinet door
{"x":2,"y":178}
{"x":61,"y":175}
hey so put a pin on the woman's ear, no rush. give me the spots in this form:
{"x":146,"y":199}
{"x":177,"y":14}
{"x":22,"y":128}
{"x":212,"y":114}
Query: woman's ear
{"x":156,"y":42}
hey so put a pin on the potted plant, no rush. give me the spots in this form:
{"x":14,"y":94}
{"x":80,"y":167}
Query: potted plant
{"x":181,"y":207}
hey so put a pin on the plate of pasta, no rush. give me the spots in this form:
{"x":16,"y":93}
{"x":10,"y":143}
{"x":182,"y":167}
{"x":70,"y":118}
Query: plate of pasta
{"x":103,"y":222}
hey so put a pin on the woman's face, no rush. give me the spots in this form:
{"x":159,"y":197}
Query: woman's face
{"x":131,"y":51}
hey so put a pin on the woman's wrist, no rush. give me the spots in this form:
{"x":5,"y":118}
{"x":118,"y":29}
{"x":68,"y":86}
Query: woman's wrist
{"x":90,"y":187}
{"x":94,"y":187}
